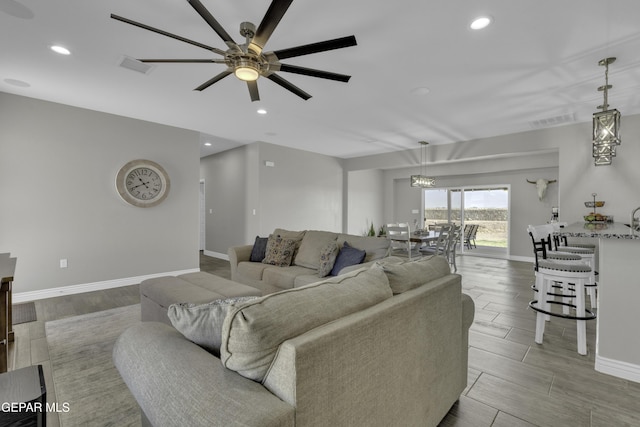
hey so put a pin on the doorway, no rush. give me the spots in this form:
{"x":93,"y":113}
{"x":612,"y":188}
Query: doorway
{"x":486,"y":207}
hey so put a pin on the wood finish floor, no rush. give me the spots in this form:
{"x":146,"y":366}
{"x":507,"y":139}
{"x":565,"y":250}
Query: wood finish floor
{"x":512,"y":381}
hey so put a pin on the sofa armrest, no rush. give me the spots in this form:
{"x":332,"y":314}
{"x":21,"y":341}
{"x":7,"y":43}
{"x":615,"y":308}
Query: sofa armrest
{"x":237,"y":254}
{"x":468,"y":313}
{"x":177,"y":383}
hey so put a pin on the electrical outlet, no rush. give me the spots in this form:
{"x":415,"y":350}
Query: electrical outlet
{"x":63,"y":263}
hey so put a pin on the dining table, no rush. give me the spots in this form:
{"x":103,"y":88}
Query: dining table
{"x":618,"y":312}
{"x":424,"y":236}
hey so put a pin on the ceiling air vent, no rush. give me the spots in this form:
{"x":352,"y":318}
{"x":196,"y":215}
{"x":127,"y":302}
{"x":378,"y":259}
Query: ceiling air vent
{"x":135,"y":65}
{"x":553,"y":121}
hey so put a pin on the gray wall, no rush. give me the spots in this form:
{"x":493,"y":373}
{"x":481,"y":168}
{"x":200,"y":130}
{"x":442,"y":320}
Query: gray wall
{"x":301,"y":191}
{"x":365,"y":202}
{"x":57,"y":183}
{"x":618,"y":184}
{"x":227,"y":183}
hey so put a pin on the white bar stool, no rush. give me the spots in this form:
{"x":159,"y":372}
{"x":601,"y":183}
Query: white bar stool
{"x":548,"y":272}
{"x":540,"y":237}
{"x":586,"y":252}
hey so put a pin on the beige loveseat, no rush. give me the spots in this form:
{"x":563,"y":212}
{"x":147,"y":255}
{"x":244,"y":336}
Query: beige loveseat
{"x":304,"y":267}
{"x":380,"y":346}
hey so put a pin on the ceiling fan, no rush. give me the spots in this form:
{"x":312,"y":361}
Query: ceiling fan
{"x":248,"y":61}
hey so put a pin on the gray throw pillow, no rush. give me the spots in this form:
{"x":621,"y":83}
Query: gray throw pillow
{"x":407,"y":275}
{"x":202,"y":323}
{"x":328,"y":256}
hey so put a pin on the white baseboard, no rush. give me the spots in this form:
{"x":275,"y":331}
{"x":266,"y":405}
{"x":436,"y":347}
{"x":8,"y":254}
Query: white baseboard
{"x":522,"y":258}
{"x":89,"y":287}
{"x":216,"y":255}
{"x":625,"y":370}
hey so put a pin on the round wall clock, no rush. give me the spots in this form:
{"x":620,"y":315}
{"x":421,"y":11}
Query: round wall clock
{"x":142,"y":183}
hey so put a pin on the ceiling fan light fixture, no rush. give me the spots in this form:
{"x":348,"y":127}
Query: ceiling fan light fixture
{"x":246,"y":70}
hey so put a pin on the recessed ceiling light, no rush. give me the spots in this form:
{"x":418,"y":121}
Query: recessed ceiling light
{"x":61,"y":50}
{"x":480,"y":22}
{"x":261,"y":111}
{"x":421,"y":91}
{"x":18,"y":83}
{"x":207,"y":144}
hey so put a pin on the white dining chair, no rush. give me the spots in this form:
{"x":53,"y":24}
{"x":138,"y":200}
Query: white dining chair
{"x":400,"y":239}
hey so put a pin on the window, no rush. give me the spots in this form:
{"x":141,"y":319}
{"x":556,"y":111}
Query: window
{"x":487,"y":207}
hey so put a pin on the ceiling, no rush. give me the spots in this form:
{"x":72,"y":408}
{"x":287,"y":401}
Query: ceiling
{"x":418,"y":72}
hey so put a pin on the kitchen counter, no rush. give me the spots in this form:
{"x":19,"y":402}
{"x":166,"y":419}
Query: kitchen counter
{"x":608,"y":230}
{"x":617,"y":345}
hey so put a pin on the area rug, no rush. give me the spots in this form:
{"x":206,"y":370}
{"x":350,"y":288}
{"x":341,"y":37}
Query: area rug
{"x":23,"y":313}
{"x":84,"y":376}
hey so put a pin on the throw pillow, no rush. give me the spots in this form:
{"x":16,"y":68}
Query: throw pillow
{"x":279,"y":251}
{"x":202,"y":323}
{"x":259,"y":249}
{"x":404,"y":276}
{"x":346,"y":257}
{"x":252,"y":333}
{"x":328,"y":256}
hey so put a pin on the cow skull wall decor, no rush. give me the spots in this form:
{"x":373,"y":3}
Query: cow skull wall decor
{"x":541,"y":186}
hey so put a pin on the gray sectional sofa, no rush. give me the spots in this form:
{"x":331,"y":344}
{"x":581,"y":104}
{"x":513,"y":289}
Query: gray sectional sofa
{"x":383,"y":345}
{"x":304,"y":267}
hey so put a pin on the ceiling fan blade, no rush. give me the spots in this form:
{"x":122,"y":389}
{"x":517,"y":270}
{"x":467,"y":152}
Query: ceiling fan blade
{"x":314,"y":73}
{"x":208,"y":17}
{"x":316,"y":47}
{"x":289,"y":86}
{"x":165,"y":33}
{"x":215,"y":79}
{"x":270,"y":21}
{"x":253,"y":90}
{"x":186,"y":61}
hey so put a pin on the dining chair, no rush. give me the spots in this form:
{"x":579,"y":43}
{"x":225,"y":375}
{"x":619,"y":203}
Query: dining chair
{"x":441,"y":244}
{"x":399,"y":235}
{"x":454,"y":241}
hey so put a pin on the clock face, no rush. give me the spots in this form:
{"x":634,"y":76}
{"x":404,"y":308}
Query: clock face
{"x":142,"y":183}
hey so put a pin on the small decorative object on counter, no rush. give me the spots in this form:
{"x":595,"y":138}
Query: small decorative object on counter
{"x":596,"y":216}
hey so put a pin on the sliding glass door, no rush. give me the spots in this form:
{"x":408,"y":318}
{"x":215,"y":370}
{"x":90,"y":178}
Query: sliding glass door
{"x":486,"y":207}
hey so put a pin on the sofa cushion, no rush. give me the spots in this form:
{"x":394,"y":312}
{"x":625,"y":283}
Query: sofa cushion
{"x":251,"y":270}
{"x":167,"y":290}
{"x":407,"y":275}
{"x":347,"y":256}
{"x":202,"y":323}
{"x":307,"y":279}
{"x":253,"y":332}
{"x":312,"y":243}
{"x":279,"y":251}
{"x":284,"y":277}
{"x":376,"y":247}
{"x":328,"y":256}
{"x":217,"y":284}
{"x":259,"y":249}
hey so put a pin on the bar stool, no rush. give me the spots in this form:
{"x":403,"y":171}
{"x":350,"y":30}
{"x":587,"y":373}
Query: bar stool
{"x":548,"y":272}
{"x":539,"y":237}
{"x":588,"y":254}
{"x":585,"y":252}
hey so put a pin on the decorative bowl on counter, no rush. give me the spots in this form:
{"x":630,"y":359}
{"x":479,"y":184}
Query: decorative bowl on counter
{"x":596,"y":217}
